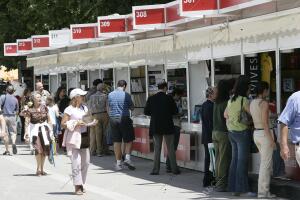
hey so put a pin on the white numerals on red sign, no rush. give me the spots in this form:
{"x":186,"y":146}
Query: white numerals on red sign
{"x":36,"y":41}
{"x":76,"y":30}
{"x":22,"y":44}
{"x":105,"y":24}
{"x":8,"y":48}
{"x":141,"y":14}
{"x":188,"y":1}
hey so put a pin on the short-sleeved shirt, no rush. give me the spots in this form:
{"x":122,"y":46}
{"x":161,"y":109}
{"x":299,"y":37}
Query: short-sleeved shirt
{"x":53,"y":110}
{"x":76,"y":113}
{"x":234,"y":110}
{"x":290,"y":116}
{"x":10,"y":104}
{"x":119,"y":103}
{"x":97,"y":103}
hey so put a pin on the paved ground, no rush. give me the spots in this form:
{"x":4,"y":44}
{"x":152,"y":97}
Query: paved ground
{"x":18,"y":182}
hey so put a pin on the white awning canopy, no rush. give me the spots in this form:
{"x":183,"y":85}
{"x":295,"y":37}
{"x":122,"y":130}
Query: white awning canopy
{"x":258,"y":28}
{"x":153,"y":46}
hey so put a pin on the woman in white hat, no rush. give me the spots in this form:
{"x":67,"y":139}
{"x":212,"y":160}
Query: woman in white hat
{"x":76,"y":138}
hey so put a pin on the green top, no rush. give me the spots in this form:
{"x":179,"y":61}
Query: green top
{"x":233,"y":110}
{"x":219,"y":122}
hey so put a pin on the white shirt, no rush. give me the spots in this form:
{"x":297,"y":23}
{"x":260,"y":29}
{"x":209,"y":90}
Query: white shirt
{"x":77,"y":114}
{"x":53,"y":112}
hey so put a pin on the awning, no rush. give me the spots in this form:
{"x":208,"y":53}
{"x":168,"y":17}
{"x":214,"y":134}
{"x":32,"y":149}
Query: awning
{"x":48,"y":60}
{"x":153,"y":46}
{"x":259,"y":28}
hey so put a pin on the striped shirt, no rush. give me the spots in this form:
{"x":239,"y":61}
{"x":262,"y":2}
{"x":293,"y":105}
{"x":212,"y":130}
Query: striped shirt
{"x":120,"y":103}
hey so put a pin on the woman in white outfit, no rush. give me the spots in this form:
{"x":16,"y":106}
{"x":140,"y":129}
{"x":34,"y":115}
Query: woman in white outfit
{"x":76,"y":138}
{"x":263,"y":138}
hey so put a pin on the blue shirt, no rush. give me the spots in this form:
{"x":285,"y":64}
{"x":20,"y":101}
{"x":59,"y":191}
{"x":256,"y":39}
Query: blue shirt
{"x":10,"y":104}
{"x":119,"y":103}
{"x":290,"y":116}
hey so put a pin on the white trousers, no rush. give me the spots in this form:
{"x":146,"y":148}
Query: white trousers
{"x":80,"y":160}
{"x":266,"y":163}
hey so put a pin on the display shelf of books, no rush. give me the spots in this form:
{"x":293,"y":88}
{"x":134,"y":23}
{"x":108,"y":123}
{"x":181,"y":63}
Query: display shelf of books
{"x":83,"y":80}
{"x":155,"y":75}
{"x":138,"y":89}
{"x":108,"y":77}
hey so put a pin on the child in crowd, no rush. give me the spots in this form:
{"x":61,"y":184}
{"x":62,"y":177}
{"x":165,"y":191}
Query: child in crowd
{"x":54,"y":114}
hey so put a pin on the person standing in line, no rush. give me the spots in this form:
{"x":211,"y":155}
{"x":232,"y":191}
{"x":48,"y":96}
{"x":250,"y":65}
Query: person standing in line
{"x":97,"y":105}
{"x":207,"y":127}
{"x":76,"y":138}
{"x":220,"y":136}
{"x":177,"y":94}
{"x":40,"y":131}
{"x":10,"y":109}
{"x":3,"y":132}
{"x":263,"y":138}
{"x":239,"y":137}
{"x":119,"y":106}
{"x":93,"y":89}
{"x":161,"y":107}
{"x":39,"y":88}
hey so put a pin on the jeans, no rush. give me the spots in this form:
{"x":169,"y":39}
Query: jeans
{"x":238,"y":172}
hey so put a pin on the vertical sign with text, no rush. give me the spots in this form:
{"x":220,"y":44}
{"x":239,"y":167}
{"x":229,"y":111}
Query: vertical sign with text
{"x":253,"y":71}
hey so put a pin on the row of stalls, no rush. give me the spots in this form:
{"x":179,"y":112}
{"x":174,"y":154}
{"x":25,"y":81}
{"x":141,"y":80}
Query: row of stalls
{"x":265,"y":48}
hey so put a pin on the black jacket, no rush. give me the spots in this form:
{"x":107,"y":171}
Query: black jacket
{"x":161,"y":108}
{"x":207,"y":121}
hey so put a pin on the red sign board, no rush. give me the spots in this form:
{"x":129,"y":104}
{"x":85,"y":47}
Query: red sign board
{"x":10,"y":49}
{"x":142,"y":140}
{"x":198,"y":7}
{"x":173,"y":13}
{"x":41,"y":41}
{"x":24,"y":45}
{"x":149,"y":17}
{"x":232,"y":5}
{"x":84,"y":31}
{"x":112,"y":25}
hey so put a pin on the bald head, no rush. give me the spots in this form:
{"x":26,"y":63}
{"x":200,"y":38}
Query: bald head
{"x":39,"y":86}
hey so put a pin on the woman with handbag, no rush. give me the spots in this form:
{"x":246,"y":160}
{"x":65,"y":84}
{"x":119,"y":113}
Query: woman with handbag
{"x":237,"y":114}
{"x":263,"y":138}
{"x":40,"y":131}
{"x":76,"y":138}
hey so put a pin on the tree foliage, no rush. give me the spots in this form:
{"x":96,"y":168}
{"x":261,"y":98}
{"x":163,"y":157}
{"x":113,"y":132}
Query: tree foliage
{"x":22,"y":18}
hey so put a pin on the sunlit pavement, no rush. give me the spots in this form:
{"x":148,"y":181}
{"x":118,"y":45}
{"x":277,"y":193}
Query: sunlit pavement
{"x":18,"y":181}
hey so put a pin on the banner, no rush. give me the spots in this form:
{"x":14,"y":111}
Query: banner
{"x":24,"y":46}
{"x":81,"y":33}
{"x":40,"y":42}
{"x":142,"y":140}
{"x":60,"y":38}
{"x":149,"y":17}
{"x":10,"y":49}
{"x":198,"y":8}
{"x":112,"y":26}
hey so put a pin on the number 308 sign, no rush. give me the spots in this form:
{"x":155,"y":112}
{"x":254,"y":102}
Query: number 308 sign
{"x":149,"y":17}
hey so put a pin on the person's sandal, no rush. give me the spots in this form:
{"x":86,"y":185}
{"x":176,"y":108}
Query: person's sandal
{"x":44,"y":173}
{"x":82,"y":189}
{"x":38,"y":173}
{"x":78,"y":190}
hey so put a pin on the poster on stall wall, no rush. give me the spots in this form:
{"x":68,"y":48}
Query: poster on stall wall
{"x":253,"y":71}
{"x":142,"y":140}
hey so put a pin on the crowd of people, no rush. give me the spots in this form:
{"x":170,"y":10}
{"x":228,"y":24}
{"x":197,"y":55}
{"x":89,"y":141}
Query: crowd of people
{"x":85,"y":123}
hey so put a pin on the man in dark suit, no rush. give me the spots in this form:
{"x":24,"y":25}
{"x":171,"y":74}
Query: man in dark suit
{"x":161,"y":107}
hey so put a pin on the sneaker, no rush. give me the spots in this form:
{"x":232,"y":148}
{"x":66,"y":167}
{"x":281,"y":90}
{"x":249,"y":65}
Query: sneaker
{"x":129,"y":164}
{"x":15,"y":151}
{"x":118,"y":167}
{"x":6,"y":153}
